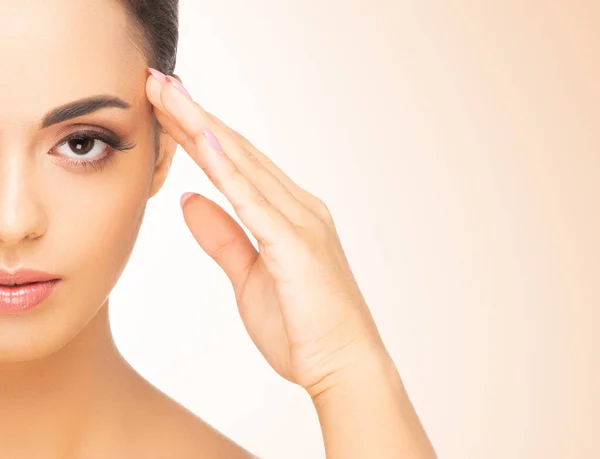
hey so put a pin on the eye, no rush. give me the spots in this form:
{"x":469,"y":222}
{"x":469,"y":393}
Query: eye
{"x":83,"y":146}
{"x":90,"y":148}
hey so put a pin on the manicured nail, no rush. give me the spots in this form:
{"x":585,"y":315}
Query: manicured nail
{"x":185,"y":197}
{"x":158,"y":75}
{"x":212,"y":139}
{"x":179,"y":86}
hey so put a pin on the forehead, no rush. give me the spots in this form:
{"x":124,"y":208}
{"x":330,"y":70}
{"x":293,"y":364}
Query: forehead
{"x":55,"y":51}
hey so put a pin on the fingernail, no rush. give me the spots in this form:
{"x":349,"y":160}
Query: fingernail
{"x":158,"y":75}
{"x":179,"y":86}
{"x":212,"y":139}
{"x":185,"y":197}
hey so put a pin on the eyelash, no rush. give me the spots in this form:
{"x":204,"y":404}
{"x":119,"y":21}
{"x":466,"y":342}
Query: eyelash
{"x":114,"y":144}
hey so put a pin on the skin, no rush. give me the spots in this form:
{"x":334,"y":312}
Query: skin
{"x":62,"y":379}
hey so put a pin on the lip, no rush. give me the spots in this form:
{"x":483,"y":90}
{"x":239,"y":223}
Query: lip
{"x":25,"y":276}
{"x":32,"y":288}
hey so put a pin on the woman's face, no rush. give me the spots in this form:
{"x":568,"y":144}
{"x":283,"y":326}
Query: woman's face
{"x":70,"y":208}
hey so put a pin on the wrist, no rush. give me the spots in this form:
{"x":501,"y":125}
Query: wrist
{"x":364,"y":410}
{"x":369,"y":367}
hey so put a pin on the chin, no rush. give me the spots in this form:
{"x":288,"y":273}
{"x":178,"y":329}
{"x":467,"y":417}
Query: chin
{"x":46,"y":331}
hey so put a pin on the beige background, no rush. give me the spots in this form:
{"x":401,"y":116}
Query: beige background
{"x":456,"y":145}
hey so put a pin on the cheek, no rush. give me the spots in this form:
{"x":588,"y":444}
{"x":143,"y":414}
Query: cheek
{"x":92,"y":224}
{"x":96,"y":223}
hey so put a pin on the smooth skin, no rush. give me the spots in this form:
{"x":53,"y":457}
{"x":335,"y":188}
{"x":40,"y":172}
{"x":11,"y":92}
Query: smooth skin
{"x":66,"y":392}
{"x":296,"y":294}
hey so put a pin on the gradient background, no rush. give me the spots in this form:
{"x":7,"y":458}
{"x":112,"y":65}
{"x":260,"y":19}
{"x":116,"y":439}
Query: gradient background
{"x":454,"y":144}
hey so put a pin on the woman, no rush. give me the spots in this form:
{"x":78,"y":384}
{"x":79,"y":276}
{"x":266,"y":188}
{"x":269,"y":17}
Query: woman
{"x":90,"y":117}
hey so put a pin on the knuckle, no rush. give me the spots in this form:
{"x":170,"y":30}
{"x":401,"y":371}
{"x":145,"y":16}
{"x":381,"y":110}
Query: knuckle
{"x":257,"y":197}
{"x":315,"y":230}
{"x":320,"y":208}
{"x":254,"y":196}
{"x":249,"y":155}
{"x":320,"y":231}
{"x":256,"y":203}
{"x":220,"y":250}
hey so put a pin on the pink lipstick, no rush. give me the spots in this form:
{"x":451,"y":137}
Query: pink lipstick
{"x":25,"y":289}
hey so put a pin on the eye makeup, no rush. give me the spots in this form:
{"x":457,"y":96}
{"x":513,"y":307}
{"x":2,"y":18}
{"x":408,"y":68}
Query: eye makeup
{"x":113,"y":141}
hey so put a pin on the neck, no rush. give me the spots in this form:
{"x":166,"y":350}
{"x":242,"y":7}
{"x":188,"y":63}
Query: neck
{"x":50,"y":404}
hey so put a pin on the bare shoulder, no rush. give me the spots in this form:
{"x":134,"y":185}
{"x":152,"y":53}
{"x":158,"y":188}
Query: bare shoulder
{"x":166,"y":429}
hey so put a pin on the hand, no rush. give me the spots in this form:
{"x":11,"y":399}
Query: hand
{"x":296,"y":295}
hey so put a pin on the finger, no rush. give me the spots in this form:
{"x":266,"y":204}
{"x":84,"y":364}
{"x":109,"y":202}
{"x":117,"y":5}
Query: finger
{"x":153,"y":89}
{"x":309,"y":200}
{"x":170,"y":124}
{"x":266,"y":222}
{"x":302,"y":195}
{"x":172,"y":127}
{"x":192,"y":118}
{"x":221,"y":237}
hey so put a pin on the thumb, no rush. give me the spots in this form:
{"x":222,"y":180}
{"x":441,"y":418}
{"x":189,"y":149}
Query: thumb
{"x":220,"y":236}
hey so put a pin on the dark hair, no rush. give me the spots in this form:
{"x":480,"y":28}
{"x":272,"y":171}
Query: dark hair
{"x":156,"y":32}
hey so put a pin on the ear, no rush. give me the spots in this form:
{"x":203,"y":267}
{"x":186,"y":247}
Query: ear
{"x":168,"y":145}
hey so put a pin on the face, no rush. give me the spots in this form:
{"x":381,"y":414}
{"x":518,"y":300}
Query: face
{"x":70,"y":207}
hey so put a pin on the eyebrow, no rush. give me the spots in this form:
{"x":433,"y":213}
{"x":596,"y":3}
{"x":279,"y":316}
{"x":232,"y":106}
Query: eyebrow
{"x":81,"y":107}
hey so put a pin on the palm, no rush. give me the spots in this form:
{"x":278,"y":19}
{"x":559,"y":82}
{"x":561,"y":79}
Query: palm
{"x":288,"y":299}
{"x":259,"y":308}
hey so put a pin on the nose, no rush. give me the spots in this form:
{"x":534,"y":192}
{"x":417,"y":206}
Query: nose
{"x":21,"y":215}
